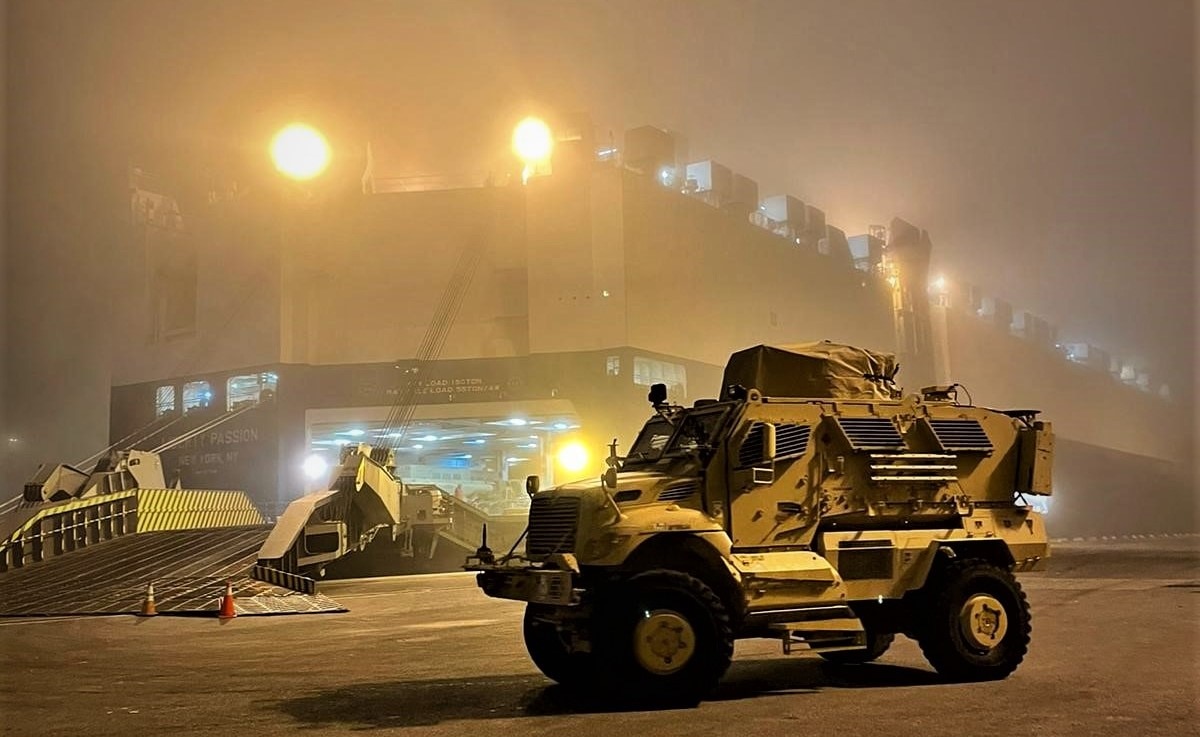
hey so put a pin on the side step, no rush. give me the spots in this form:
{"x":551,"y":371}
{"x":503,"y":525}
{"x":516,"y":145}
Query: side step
{"x":827,"y":636}
{"x":824,"y":629}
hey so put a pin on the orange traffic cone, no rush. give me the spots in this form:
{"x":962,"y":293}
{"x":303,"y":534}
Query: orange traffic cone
{"x":149,"y":609}
{"x":227,"y":610}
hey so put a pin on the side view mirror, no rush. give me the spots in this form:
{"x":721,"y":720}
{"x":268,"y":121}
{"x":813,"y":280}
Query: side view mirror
{"x":532,"y":485}
{"x":609,"y":479}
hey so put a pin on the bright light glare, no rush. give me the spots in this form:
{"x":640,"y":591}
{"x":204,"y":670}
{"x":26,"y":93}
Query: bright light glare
{"x":573,"y":457}
{"x":939,"y":283}
{"x":315,"y":467}
{"x":532,"y":141}
{"x":300,"y":152}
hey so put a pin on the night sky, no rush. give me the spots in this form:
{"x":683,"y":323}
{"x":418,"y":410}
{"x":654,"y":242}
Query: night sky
{"x":1048,"y":147}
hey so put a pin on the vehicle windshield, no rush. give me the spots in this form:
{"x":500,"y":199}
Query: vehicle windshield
{"x":652,"y":440}
{"x":696,"y":428}
{"x":692,"y":429}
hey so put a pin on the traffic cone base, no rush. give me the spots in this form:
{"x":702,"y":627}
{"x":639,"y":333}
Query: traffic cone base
{"x":149,"y":608}
{"x":227,"y":610}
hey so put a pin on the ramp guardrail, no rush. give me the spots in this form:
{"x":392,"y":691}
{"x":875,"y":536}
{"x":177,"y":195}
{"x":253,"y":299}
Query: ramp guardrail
{"x":63,"y":528}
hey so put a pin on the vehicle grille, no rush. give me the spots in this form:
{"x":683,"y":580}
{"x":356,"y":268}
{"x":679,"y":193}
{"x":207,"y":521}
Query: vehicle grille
{"x":552,"y":523}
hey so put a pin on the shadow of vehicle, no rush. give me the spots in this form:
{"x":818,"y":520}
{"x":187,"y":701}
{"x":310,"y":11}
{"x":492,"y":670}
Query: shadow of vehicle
{"x":429,"y":702}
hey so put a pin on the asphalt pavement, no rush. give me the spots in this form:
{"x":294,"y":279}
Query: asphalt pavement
{"x":1115,"y":652}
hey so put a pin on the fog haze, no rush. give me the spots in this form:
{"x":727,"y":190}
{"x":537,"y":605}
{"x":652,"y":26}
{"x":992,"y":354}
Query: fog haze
{"x":1046,"y":146}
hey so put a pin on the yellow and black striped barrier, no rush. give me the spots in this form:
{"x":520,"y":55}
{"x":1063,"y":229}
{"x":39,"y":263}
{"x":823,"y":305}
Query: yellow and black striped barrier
{"x":276,"y":577}
{"x":191,"y":509}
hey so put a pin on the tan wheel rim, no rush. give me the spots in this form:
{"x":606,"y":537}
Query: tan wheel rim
{"x":663,"y":642}
{"x":984,"y":621}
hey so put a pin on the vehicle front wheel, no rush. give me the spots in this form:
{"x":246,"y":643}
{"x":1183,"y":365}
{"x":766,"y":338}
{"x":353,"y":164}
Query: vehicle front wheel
{"x":549,"y":651}
{"x":665,"y":639}
{"x":976,"y":624}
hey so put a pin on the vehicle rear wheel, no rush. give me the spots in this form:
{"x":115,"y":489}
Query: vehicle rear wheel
{"x":549,"y":651}
{"x":664,"y":639}
{"x":976,"y":624}
{"x":877,"y":644}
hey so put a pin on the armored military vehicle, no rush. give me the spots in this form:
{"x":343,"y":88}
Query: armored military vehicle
{"x":812,"y":503}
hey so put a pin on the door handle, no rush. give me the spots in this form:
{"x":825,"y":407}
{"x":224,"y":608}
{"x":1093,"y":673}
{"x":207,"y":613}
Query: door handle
{"x":790,"y":507}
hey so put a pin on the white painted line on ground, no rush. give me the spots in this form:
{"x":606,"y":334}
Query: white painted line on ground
{"x":1040,"y":583}
{"x":40,"y":620}
{"x":1115,"y":538}
{"x":450,"y":625}
{"x":398,"y":577}
{"x":384,"y":594}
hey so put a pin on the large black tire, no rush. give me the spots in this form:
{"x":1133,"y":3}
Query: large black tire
{"x":549,"y":652}
{"x":664,"y":638}
{"x":877,"y":644}
{"x":960,"y":626}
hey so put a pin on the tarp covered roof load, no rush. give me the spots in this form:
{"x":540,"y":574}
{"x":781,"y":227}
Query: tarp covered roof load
{"x":812,"y":370}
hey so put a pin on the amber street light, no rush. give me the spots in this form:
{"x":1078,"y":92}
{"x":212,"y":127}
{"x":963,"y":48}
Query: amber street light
{"x":532,"y":142}
{"x":300,"y":152}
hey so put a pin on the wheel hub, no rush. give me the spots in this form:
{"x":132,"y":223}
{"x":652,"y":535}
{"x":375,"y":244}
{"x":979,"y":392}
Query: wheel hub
{"x":983,"y":621}
{"x":663,"y":641}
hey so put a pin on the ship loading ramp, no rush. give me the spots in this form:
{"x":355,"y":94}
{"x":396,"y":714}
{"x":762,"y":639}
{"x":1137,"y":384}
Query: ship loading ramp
{"x":100,"y":554}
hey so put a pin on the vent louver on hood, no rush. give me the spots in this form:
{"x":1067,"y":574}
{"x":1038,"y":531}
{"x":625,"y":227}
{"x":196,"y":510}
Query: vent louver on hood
{"x":871,"y":433}
{"x":791,"y":440}
{"x":961,"y":434}
{"x":679,"y":492}
{"x":752,"y":447}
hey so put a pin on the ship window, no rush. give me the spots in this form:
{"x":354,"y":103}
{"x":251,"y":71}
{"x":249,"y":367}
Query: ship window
{"x":648,"y":371}
{"x":250,"y":389}
{"x":164,"y":400}
{"x":196,"y":395}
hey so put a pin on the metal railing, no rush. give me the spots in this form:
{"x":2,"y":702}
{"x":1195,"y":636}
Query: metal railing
{"x":69,"y":527}
{"x":467,"y":522}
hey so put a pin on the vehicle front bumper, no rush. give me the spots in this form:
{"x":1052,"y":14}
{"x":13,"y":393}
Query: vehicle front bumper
{"x":536,"y":585}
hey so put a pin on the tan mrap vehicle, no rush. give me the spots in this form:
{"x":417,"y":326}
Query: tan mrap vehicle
{"x":809,"y":504}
